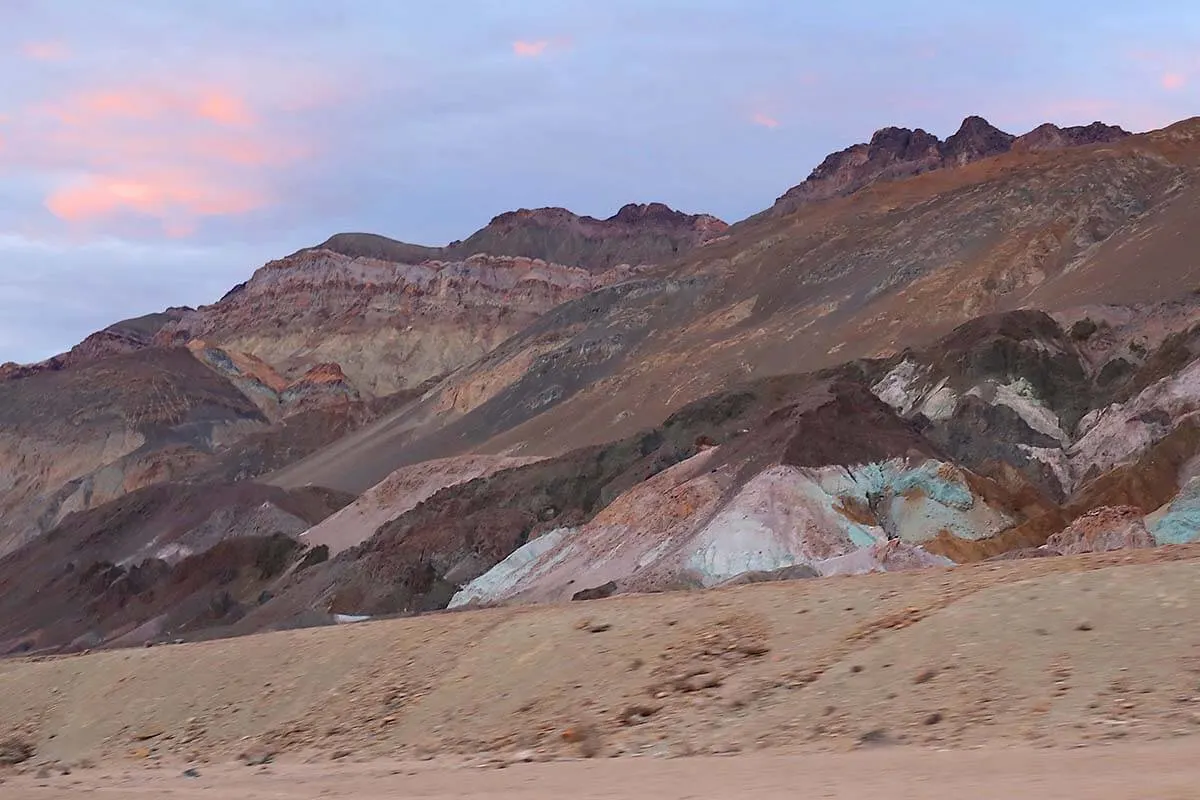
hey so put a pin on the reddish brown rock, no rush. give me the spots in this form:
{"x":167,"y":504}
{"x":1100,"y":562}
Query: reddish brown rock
{"x":74,"y":438}
{"x":1051,"y":137}
{"x":895,"y":153}
{"x":1103,"y":529}
{"x":892,"y":153}
{"x":386,"y":325}
{"x":637,"y":234}
{"x":162,"y":560}
{"x":322,"y":385}
{"x":976,"y":138}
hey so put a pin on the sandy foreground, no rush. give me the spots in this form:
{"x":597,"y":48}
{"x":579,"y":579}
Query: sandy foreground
{"x":1165,"y":771}
{"x":1050,"y":677}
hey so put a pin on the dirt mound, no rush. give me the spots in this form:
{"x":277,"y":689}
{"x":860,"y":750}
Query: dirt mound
{"x":905,"y":658}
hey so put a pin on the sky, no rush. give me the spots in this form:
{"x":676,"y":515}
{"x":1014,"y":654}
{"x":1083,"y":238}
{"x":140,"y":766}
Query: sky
{"x":155,"y":153}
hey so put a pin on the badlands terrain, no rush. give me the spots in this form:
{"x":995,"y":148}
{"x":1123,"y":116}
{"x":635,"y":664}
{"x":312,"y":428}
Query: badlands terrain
{"x":910,"y":459}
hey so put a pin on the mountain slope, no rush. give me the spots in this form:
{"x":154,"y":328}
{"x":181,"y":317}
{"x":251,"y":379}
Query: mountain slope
{"x":77,"y":437}
{"x":320,"y":336}
{"x":387,"y":325}
{"x":893,"y":265}
{"x":994,"y":439}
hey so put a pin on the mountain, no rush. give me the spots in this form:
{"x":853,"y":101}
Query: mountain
{"x":387,"y":325}
{"x":893,"y":265}
{"x":311,"y":346}
{"x":319,"y":335}
{"x":896,"y":153}
{"x":990,"y":354}
{"x":78,"y":437}
{"x":989,"y":441}
{"x":1051,"y":137}
{"x":638,"y":234}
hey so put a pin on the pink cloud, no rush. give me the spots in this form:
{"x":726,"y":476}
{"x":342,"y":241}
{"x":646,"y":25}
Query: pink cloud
{"x":1171,"y":70}
{"x":176,"y":199}
{"x":525,"y":49}
{"x":224,"y":107}
{"x":765,"y":120}
{"x":46,"y":51}
{"x":1173,"y":81}
{"x":175,"y":155}
{"x":221,"y":106}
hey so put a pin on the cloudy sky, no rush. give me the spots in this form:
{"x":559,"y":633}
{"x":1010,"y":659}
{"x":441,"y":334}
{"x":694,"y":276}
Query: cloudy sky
{"x":155,"y":153}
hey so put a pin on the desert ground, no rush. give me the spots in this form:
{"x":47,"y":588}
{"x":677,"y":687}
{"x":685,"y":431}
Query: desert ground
{"x":1051,"y":677}
{"x":1164,"y":771}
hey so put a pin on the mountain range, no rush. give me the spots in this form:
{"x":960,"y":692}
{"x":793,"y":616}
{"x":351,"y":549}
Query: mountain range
{"x":928,"y":352}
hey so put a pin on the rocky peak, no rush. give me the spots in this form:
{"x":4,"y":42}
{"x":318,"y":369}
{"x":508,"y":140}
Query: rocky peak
{"x":1051,"y":137}
{"x":548,"y":216}
{"x":976,"y":138}
{"x":892,"y":153}
{"x":630,"y":215}
{"x":635,"y":213}
{"x":903,"y":143}
{"x":638,"y":234}
{"x":11,"y":370}
{"x":895,"y":153}
{"x":658,"y":214}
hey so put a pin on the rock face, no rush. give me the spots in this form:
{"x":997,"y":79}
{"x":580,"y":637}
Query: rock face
{"x":154,"y":564}
{"x":1052,"y":137}
{"x":74,"y":438}
{"x":386,"y":325}
{"x":321,"y":386}
{"x":400,"y":492}
{"x":807,"y":470}
{"x":637,"y":234}
{"x":1103,"y":529}
{"x":812,"y":484}
{"x":895,"y":153}
{"x":972,"y":447}
{"x":891,"y":154}
{"x":976,"y":138}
